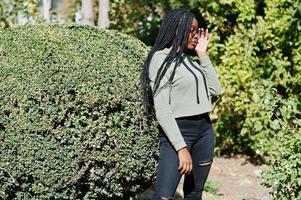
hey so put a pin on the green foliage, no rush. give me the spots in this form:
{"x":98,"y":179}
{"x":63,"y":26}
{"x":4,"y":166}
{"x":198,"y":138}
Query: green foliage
{"x":271,"y":115}
{"x":252,"y":42}
{"x":283,"y":128}
{"x":212,"y":187}
{"x":138,"y":18}
{"x":256,"y":48}
{"x":71,"y":119}
{"x":284,"y":174}
{"x":9,"y":10}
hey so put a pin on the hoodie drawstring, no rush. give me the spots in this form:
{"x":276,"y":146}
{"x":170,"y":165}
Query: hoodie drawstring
{"x":204,"y":77}
{"x":196,"y":81}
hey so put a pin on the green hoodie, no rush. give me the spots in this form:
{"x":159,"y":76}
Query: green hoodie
{"x":189,"y":93}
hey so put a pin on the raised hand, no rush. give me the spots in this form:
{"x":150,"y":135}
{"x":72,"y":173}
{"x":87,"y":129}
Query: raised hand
{"x":203,"y":41}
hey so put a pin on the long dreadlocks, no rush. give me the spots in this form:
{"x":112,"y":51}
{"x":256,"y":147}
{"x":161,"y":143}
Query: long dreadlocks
{"x":173,"y":32}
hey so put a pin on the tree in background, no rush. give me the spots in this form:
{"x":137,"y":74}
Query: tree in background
{"x":91,"y":11}
{"x":87,"y":12}
{"x":46,"y":5}
{"x":54,"y":11}
{"x":137,"y":18}
{"x":103,"y":14}
{"x":11,"y":9}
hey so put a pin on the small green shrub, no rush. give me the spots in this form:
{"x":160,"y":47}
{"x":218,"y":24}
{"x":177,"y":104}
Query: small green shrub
{"x":212,"y":187}
{"x":284,"y":174}
{"x":270,"y":115}
{"x":278,"y":136}
{"x":71,"y":119}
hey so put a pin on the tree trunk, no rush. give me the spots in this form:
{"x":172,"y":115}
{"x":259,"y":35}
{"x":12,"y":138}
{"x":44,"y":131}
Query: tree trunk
{"x":103,"y":14}
{"x":46,"y":9}
{"x":87,"y":12}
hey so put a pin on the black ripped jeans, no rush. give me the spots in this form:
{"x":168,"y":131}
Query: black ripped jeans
{"x":197,"y":132}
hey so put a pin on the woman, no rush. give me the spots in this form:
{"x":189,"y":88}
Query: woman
{"x":180,"y":89}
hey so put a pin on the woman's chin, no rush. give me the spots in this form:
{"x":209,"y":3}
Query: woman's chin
{"x":191,"y":47}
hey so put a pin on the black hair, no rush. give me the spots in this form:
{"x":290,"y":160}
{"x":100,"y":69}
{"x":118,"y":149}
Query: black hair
{"x":174,"y":33}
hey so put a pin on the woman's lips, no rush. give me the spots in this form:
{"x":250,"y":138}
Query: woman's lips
{"x":194,"y":43}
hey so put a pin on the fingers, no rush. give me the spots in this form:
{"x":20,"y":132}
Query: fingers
{"x":204,"y":33}
{"x":188,"y":168}
{"x":185,"y":161}
{"x":185,"y":168}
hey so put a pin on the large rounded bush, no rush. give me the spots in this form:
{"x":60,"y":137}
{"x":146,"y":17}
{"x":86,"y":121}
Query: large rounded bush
{"x":71,"y":119}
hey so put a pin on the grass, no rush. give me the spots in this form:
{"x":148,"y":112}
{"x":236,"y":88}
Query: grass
{"x":212,"y":187}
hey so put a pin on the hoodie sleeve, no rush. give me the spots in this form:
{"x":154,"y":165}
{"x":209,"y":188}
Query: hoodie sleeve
{"x":211,"y":76}
{"x":163,"y":109}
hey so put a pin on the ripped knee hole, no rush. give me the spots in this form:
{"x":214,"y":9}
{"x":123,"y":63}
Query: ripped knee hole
{"x":165,"y":198}
{"x":205,"y":163}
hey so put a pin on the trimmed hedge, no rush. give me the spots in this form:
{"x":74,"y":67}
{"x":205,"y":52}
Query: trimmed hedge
{"x":71,"y":119}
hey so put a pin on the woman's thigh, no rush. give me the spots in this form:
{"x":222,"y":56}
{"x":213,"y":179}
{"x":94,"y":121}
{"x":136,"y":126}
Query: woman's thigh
{"x":202,"y":154}
{"x":168,"y":175}
{"x":203,"y":148}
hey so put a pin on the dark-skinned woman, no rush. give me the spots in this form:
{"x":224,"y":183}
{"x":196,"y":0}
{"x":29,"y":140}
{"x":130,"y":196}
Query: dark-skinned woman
{"x":180,"y":90}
